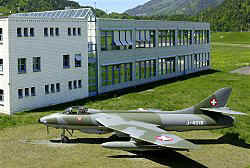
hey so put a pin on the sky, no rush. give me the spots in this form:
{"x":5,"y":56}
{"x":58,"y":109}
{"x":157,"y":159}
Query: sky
{"x":113,"y":5}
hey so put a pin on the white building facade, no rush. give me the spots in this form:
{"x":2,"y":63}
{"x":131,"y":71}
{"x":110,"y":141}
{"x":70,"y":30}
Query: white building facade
{"x":44,"y":61}
{"x":53,"y":57}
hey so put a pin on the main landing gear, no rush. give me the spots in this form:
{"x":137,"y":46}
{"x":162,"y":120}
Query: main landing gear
{"x":64,"y":138}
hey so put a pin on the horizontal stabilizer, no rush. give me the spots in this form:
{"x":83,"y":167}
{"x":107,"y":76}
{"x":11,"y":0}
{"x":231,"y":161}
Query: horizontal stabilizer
{"x":223,"y":110}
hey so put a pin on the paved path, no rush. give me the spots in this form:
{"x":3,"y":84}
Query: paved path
{"x":233,"y":45}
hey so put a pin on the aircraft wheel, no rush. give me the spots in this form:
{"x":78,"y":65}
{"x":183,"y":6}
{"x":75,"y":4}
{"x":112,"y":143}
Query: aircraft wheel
{"x":65,"y":139}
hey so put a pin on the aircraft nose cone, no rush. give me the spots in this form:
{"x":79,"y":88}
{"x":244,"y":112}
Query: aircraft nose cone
{"x":42,"y":120}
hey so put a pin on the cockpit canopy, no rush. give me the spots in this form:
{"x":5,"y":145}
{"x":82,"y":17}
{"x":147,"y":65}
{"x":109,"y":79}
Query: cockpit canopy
{"x":76,"y":110}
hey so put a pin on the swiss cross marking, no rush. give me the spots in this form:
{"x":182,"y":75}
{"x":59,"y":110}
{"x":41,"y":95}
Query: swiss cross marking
{"x":79,"y":118}
{"x":164,"y":138}
{"x":213,"y":102}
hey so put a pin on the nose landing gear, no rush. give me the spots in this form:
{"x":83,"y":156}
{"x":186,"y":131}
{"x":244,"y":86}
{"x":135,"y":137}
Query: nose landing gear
{"x":64,"y":138}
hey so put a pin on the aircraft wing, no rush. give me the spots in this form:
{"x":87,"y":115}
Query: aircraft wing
{"x":223,"y":110}
{"x":149,"y":133}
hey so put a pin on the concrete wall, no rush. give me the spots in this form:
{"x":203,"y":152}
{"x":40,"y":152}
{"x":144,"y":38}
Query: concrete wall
{"x":4,"y":76}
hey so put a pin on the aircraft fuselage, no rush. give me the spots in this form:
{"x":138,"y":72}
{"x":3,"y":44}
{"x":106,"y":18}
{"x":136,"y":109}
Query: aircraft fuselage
{"x":169,"y":121}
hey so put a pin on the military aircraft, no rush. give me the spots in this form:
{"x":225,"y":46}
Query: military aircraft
{"x":147,"y":129}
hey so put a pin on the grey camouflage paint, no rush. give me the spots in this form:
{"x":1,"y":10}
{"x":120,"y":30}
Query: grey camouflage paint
{"x":148,"y":129}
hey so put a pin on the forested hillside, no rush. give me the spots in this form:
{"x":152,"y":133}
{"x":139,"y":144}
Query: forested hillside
{"x":13,"y":6}
{"x":173,"y":7}
{"x":232,"y":15}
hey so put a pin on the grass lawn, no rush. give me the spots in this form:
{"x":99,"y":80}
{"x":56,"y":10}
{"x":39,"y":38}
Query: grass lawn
{"x":231,"y":37}
{"x":168,"y":95}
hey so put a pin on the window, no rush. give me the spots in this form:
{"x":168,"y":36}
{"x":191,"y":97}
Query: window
{"x":1,"y":95}
{"x":181,"y":64}
{"x":32,"y":32}
{"x":20,"y":93}
{"x":46,"y":89}
{"x":78,"y":60}
{"x":74,"y":31}
{"x":27,"y":92}
{"x":66,"y":61}
{"x":25,"y":34}
{"x":79,"y":31}
{"x":36,"y":64}
{"x":115,"y":74}
{"x":51,"y":31}
{"x":33,"y":91}
{"x":19,"y":32}
{"x":58,"y":88}
{"x":75,"y":84}
{"x":21,"y":65}
{"x":70,"y":85}
{"x":79,"y":83}
{"x":1,"y":65}
{"x":46,"y":32}
{"x":116,"y":40}
{"x":1,"y":34}
{"x":57,"y":31}
{"x":145,"y":39}
{"x":166,"y":38}
{"x":52,"y":87}
{"x":69,"y":31}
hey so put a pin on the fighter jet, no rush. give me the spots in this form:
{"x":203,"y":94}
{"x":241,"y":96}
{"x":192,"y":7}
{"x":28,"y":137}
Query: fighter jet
{"x":147,"y":129}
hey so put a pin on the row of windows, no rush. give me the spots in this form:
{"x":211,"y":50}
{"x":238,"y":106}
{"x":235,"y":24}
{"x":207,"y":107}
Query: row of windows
{"x":22,"y":67}
{"x":74,"y":84}
{"x":51,"y":31}
{"x":56,"y":32}
{"x":48,"y":89}
{"x":30,"y":32}
{"x":52,"y":88}
{"x":184,"y":37}
{"x":145,"y":69}
{"x":74,"y":31}
{"x":145,"y":39}
{"x":185,"y":63}
{"x":122,"y":73}
{"x":66,"y":61}
{"x":166,"y":65}
{"x":117,"y":40}
{"x":26,"y":92}
{"x":114,"y":74}
{"x":194,"y":61}
{"x":201,"y":37}
{"x":25,"y":32}
{"x":22,"y":63}
{"x":166,"y":38}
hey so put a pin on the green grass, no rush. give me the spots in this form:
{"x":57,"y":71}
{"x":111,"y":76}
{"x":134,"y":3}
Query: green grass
{"x":89,"y":153}
{"x":231,"y":37}
{"x":169,"y":95}
{"x":173,"y":94}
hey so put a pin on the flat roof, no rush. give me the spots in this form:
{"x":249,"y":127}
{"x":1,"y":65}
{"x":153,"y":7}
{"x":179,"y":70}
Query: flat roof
{"x":68,"y":13}
{"x":143,"y":20}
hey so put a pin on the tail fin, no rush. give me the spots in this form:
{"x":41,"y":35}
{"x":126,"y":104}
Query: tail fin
{"x":218,"y":99}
